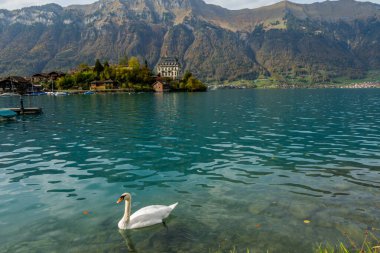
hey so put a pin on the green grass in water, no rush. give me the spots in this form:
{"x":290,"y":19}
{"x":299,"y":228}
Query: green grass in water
{"x":233,"y":250}
{"x":370,"y":244}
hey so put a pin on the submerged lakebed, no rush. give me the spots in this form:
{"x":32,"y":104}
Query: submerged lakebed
{"x":248,"y":168}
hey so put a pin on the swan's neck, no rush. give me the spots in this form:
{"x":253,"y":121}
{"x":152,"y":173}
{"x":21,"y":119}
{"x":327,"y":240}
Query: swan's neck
{"x":127,"y":212}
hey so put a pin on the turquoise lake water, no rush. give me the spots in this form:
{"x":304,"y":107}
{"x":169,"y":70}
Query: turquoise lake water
{"x":246,"y":166}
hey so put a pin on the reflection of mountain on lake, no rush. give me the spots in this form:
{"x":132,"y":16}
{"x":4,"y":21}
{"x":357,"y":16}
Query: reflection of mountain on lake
{"x":247,"y":167}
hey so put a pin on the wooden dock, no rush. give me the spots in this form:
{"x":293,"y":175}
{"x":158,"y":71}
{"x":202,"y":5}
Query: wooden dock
{"x":30,"y":110}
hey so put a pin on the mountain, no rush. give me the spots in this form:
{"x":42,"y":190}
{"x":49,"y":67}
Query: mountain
{"x":318,"y":41}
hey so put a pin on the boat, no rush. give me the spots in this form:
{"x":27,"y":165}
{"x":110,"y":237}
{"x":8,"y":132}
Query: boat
{"x":51,"y":93}
{"x":37,"y":94}
{"x":61,"y":93}
{"x":89,"y":93}
{"x":9,"y":95}
{"x":6,"y":114}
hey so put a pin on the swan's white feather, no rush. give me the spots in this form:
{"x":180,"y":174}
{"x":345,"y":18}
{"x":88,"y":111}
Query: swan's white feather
{"x":147,"y":216}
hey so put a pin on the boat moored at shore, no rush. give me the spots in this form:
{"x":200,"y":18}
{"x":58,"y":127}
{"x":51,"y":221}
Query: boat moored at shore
{"x":6,"y":114}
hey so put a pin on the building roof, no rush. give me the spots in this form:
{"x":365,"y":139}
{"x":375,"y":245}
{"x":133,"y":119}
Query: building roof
{"x":40,"y":75}
{"x":17,"y":79}
{"x":47,"y":75}
{"x":165,"y":84}
{"x":60,"y":73}
{"x":168,"y":61}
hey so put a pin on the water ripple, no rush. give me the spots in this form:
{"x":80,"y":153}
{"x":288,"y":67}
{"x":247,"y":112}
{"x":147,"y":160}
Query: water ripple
{"x":271,"y":158}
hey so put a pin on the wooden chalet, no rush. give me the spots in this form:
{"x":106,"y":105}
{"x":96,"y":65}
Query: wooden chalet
{"x":13,"y":84}
{"x":46,"y":77}
{"x":54,"y":75}
{"x":39,"y":78}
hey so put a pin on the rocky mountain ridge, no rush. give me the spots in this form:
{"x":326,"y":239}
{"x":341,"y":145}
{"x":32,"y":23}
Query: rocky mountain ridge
{"x":332,"y":38}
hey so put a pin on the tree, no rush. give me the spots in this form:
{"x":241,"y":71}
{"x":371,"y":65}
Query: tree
{"x":186,"y":76}
{"x":194,"y":84}
{"x":183,"y":83}
{"x":108,"y":72}
{"x":134,"y":63}
{"x":65,"y":82}
{"x":83,"y":79}
{"x":121,"y":74}
{"x":145,"y":75}
{"x":123,"y":61}
{"x":98,"y":67}
{"x":83,"y":67}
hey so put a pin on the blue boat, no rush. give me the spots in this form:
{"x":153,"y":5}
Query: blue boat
{"x":37,"y":94}
{"x":7,"y":114}
{"x":89,"y":93}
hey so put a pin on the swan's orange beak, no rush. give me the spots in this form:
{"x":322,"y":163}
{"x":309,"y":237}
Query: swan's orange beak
{"x":119,"y":200}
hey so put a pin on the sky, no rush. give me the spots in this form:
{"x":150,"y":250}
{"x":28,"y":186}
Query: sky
{"x":230,"y":4}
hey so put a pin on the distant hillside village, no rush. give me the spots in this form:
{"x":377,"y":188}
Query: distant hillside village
{"x":128,"y":75}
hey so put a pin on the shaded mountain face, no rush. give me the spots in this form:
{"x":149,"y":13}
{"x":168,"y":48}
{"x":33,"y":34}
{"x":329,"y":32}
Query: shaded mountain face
{"x":332,"y":38}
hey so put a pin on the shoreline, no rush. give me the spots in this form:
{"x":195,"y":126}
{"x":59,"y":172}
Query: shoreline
{"x":359,"y":85}
{"x":363,"y":85}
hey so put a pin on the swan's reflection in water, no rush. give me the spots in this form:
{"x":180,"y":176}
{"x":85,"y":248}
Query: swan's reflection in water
{"x":128,"y":240}
{"x":127,"y":235}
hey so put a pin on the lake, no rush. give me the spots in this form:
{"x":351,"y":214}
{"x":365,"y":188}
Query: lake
{"x":267,"y":170}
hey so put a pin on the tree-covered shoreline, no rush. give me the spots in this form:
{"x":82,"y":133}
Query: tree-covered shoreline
{"x":129,"y":74}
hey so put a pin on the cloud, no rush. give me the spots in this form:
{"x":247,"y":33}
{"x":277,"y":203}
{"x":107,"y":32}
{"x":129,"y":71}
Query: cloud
{"x":18,"y":4}
{"x":230,"y":4}
{"x":241,"y":4}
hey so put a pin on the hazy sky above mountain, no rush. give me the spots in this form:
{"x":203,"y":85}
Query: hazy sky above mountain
{"x":230,"y":4}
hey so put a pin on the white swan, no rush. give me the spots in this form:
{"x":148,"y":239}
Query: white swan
{"x":146,"y":216}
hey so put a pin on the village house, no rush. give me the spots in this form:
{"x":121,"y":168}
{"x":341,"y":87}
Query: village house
{"x":12,"y":83}
{"x":54,"y":75}
{"x":160,"y":86}
{"x":39,"y":78}
{"x":46,"y":77}
{"x":103,"y":85}
{"x":168,"y":67}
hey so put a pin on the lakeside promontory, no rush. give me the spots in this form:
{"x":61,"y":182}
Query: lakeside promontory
{"x":128,"y":75}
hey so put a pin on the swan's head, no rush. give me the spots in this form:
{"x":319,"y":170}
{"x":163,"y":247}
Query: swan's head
{"x":125,"y":196}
